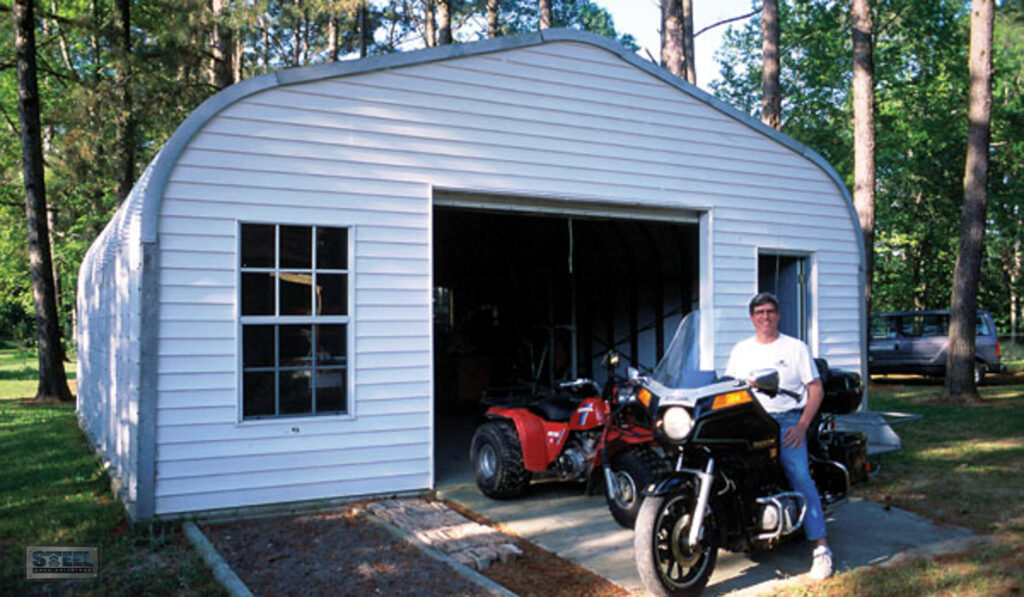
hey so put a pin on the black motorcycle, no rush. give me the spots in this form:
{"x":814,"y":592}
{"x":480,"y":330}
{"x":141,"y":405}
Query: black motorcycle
{"x":727,"y":488}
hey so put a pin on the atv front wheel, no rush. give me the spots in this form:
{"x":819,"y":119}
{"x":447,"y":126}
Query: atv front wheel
{"x":497,"y":459}
{"x":632,"y":471}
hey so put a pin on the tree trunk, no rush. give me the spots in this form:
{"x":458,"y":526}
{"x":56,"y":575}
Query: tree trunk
{"x":689,"y":61}
{"x":52,"y":378}
{"x":493,"y":22}
{"x":297,"y":35}
{"x":444,"y":22}
{"x":864,"y":135}
{"x":364,"y":32}
{"x":332,"y":35}
{"x":264,"y":27}
{"x":672,"y":36}
{"x":126,"y":117}
{"x":429,"y":24}
{"x":222,"y":45}
{"x":544,"y":7}
{"x":1015,"y":271}
{"x":307,"y":36}
{"x":58,"y":296}
{"x":771,"y":102}
{"x":959,"y":386}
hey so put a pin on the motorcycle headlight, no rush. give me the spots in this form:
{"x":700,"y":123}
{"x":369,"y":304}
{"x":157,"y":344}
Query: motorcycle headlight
{"x":677,"y":423}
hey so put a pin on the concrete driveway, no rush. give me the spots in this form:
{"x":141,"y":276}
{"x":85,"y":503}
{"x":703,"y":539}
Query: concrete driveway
{"x":560,"y":518}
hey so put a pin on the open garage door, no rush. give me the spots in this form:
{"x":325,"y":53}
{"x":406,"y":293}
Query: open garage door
{"x":526,"y":299}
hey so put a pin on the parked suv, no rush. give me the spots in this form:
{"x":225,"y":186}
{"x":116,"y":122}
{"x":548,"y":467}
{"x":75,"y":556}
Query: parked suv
{"x":917,"y":342}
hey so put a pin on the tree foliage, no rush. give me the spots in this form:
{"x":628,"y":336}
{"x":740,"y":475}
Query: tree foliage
{"x":86,"y":76}
{"x":921,"y":84}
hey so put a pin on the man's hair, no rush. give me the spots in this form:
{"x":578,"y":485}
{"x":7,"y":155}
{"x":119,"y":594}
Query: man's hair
{"x":763,"y":298}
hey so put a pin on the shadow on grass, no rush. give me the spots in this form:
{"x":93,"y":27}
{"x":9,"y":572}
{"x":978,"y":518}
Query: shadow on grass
{"x":23,"y":374}
{"x":992,"y":379}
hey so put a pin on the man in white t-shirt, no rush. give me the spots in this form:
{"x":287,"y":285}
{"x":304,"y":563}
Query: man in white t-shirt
{"x":770,"y":349}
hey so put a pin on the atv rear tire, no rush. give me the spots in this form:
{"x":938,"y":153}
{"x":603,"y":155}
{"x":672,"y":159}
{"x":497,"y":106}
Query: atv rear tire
{"x":497,"y":460}
{"x":633,"y":470}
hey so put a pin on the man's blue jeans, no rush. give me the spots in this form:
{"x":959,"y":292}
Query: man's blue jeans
{"x":795,"y":465}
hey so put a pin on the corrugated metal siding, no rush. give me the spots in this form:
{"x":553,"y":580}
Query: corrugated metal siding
{"x":562,"y":120}
{"x":109,"y":295}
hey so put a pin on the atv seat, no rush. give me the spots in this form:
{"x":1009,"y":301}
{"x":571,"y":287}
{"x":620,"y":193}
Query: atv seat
{"x":555,"y":409}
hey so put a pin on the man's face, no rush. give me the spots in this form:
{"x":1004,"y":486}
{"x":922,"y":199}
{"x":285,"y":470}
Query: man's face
{"x":766,"y":320}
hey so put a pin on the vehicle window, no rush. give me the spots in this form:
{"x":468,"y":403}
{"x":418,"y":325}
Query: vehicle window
{"x":910,"y":326}
{"x":983,"y":329}
{"x":934,"y":325}
{"x":883,"y":328}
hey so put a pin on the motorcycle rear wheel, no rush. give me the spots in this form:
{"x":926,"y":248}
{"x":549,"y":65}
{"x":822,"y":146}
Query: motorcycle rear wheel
{"x":632,"y":470}
{"x":666,"y":565}
{"x":497,"y":459}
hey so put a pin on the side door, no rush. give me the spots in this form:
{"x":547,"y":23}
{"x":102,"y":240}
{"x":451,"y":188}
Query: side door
{"x":882,"y":348}
{"x":786,"y":276}
{"x":927,"y":351}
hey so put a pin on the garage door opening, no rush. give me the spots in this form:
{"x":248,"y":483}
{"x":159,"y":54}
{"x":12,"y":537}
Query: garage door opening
{"x":525,"y":301}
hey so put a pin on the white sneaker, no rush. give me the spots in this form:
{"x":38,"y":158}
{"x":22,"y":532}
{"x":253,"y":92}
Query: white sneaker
{"x":821,"y":567}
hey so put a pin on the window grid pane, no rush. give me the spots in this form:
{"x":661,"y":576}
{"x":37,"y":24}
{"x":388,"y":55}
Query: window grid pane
{"x":308,"y":374}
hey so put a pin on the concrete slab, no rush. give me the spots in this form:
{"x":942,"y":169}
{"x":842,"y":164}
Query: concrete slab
{"x":560,"y":518}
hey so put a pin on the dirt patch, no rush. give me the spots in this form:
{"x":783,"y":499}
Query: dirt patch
{"x":344,"y":553}
{"x":338,"y":553}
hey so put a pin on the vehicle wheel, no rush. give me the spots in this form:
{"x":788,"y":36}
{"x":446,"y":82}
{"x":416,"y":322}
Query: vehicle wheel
{"x":666,"y":565}
{"x":497,"y":459}
{"x":979,"y":374}
{"x":632,"y":471}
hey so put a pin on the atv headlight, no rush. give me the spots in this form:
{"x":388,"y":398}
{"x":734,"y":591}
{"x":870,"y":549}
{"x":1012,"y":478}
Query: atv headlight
{"x":676,"y":423}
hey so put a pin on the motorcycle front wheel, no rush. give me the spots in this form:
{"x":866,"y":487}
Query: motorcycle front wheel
{"x":667,"y":566}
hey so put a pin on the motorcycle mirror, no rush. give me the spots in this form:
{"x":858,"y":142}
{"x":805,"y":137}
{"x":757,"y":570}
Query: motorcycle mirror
{"x":634,"y":374}
{"x":766,"y":380}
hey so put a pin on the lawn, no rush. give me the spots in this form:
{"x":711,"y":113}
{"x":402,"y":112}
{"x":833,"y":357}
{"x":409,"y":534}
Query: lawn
{"x":55,"y":492}
{"x":960,"y":465}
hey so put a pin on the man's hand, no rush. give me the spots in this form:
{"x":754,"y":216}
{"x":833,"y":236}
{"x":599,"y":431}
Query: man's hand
{"x":795,"y":435}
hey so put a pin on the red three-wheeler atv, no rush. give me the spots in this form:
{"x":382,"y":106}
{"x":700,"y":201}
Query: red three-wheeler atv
{"x":575,"y":432}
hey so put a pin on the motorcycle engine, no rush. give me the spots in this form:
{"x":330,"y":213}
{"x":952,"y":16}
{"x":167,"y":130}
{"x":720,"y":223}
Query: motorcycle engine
{"x":772,"y":518}
{"x":769,"y":518}
{"x":572,"y":463}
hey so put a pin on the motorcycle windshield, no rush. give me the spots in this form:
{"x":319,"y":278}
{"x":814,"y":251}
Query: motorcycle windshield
{"x":680,"y":367}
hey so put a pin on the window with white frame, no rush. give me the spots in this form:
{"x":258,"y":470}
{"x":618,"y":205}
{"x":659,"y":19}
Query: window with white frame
{"x":294,"y":320}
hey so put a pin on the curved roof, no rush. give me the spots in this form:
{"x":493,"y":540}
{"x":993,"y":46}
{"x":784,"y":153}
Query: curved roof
{"x":163,"y":163}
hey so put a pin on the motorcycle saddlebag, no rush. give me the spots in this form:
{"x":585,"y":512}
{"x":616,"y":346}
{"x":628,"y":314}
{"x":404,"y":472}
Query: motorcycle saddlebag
{"x":843,"y":392}
{"x":849,"y":448}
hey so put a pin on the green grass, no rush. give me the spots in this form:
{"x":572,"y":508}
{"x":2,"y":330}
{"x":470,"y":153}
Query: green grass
{"x":54,"y":491}
{"x":960,"y":465}
{"x":1013,"y":353}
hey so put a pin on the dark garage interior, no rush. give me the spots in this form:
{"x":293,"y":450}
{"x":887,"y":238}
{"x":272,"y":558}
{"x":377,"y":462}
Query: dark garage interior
{"x":523,"y":301}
